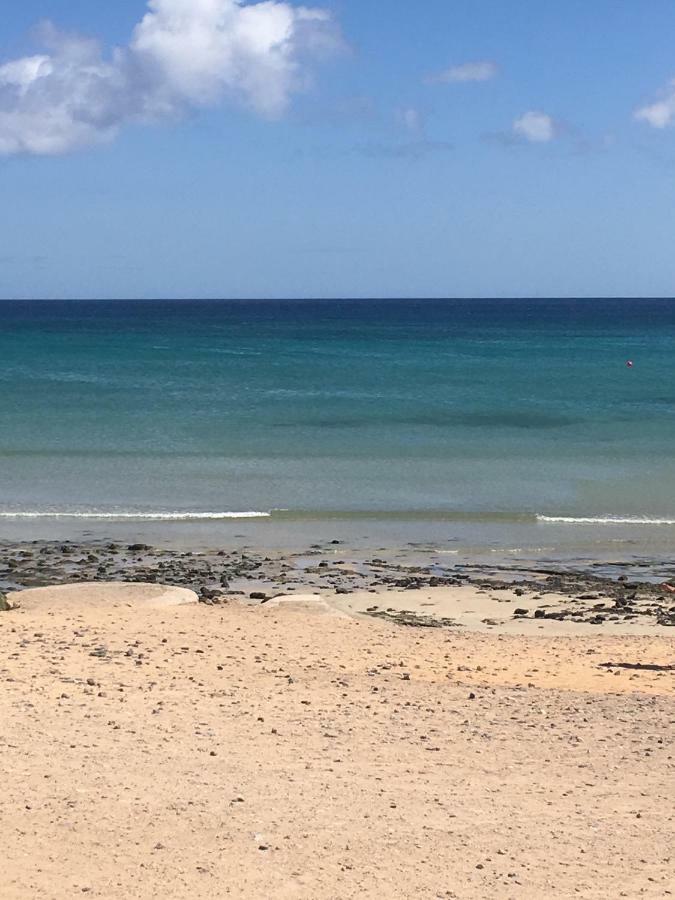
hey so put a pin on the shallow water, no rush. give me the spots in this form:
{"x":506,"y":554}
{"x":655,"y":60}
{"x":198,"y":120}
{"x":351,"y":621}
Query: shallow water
{"x":460,"y":420}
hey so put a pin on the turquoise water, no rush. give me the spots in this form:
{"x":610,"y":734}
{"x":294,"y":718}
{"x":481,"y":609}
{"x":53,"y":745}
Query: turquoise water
{"x":474,"y":411}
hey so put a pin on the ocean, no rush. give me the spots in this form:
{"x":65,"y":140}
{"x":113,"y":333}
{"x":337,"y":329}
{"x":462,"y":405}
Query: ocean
{"x":491,"y":420}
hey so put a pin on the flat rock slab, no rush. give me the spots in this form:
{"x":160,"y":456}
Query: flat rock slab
{"x":312,"y":603}
{"x":102,"y":596}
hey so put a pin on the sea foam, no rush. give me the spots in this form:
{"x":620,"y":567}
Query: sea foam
{"x":155,"y":516}
{"x":605,"y":520}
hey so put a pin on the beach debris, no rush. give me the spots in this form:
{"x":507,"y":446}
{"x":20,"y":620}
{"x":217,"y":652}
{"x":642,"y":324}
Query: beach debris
{"x":638,"y":667}
{"x":412,"y":619}
{"x":221,"y":576}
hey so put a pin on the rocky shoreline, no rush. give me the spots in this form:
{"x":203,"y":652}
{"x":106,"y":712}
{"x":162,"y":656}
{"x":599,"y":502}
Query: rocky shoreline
{"x":220,"y":576}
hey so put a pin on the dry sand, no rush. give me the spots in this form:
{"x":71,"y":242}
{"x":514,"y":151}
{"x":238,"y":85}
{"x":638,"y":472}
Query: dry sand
{"x":259,"y":752}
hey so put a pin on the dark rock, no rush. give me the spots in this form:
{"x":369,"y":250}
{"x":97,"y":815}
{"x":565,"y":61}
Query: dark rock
{"x":4,"y":604}
{"x":521,"y":612}
{"x":258,"y":595}
{"x":138,"y":548}
{"x":639,"y":667}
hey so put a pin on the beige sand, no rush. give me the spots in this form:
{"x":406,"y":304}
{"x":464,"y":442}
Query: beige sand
{"x":206,"y":752}
{"x":490,"y":611}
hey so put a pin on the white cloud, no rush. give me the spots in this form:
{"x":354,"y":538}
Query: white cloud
{"x":662,"y":113}
{"x":536,"y":127}
{"x":483,"y":70}
{"x":183,"y":54}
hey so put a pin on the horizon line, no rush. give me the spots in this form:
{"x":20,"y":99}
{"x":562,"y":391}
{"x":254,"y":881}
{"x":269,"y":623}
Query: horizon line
{"x":335,"y":299}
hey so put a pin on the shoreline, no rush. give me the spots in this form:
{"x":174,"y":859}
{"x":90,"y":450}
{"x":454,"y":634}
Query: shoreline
{"x":413,"y":586}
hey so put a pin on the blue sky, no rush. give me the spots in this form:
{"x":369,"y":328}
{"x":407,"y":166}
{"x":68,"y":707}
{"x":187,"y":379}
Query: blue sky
{"x":450,"y":148}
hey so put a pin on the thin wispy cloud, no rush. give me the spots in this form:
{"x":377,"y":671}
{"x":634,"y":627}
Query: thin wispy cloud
{"x":410,"y":118}
{"x":535,"y":127}
{"x":661,"y":113}
{"x":183,"y":54}
{"x":483,"y":70}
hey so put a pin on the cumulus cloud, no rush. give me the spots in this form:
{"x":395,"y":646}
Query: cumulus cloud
{"x":662,"y":113}
{"x":483,"y":70}
{"x":536,"y":127}
{"x":183,"y":54}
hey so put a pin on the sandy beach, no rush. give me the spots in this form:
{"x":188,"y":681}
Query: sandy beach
{"x":337,"y":458}
{"x":295,"y":748}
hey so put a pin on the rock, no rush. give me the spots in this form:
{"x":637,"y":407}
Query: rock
{"x":4,"y":604}
{"x":521,"y":612}
{"x":540,"y":613}
{"x":258,"y":595}
{"x":138,"y":548}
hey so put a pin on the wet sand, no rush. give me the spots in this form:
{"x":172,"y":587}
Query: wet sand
{"x":501,"y":611}
{"x":289,"y":749}
{"x":634,"y":598}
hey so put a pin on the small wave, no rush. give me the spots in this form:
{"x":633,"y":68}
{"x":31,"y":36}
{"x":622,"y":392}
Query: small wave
{"x":154,"y":516}
{"x":605,"y":520}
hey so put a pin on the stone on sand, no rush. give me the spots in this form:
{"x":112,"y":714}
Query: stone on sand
{"x":107,"y":595}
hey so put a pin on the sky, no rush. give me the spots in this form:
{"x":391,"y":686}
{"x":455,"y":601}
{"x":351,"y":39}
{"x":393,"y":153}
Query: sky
{"x":348,"y":148}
